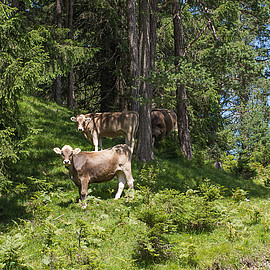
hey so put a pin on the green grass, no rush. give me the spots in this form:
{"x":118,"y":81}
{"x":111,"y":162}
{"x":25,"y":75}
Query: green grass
{"x":43,"y":227}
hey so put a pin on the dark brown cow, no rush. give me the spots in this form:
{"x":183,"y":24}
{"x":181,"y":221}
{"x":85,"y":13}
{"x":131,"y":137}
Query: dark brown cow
{"x":97,"y":167}
{"x":111,"y":124}
{"x":163,"y":122}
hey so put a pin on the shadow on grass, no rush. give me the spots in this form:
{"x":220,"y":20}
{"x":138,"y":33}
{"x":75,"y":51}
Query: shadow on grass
{"x":175,"y":172}
{"x":182,"y":174}
{"x":11,"y":209}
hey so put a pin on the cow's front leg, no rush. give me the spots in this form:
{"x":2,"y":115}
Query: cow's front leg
{"x":122,"y":181}
{"x":95,"y":141}
{"x":130,"y":141}
{"x":80,"y":196}
{"x":84,"y":189}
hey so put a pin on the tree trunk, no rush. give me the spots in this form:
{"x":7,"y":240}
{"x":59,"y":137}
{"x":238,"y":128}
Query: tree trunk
{"x":58,"y":85}
{"x":71,"y":96}
{"x":145,"y":150}
{"x":58,"y":90}
{"x":59,"y":13}
{"x":69,"y":23}
{"x":153,"y":33}
{"x":182,"y":121}
{"x":133,"y":52}
{"x":181,"y":92}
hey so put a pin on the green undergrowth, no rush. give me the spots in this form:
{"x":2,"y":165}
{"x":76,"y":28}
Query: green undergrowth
{"x":184,"y":214}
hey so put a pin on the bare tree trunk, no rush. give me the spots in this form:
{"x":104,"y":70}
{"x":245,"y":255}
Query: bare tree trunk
{"x":145,"y":150}
{"x":182,"y":121}
{"x":59,"y":13}
{"x":69,"y":23}
{"x":71,"y":96}
{"x":181,"y":92}
{"x":133,"y":52}
{"x":58,"y":90}
{"x":58,"y":86}
{"x":153,"y":33}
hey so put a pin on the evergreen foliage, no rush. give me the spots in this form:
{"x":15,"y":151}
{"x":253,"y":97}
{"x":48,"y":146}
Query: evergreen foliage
{"x":184,"y":212}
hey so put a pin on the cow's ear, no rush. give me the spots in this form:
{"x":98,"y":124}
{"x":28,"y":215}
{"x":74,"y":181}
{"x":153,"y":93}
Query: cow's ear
{"x":57,"y":150}
{"x":76,"y":151}
{"x":88,"y":119}
{"x":73,"y":119}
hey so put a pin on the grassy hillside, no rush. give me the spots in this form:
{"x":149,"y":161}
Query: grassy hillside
{"x":185,"y":214}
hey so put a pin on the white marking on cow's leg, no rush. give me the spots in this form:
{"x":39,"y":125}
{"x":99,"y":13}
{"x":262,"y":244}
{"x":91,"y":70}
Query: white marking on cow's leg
{"x":95,"y":141}
{"x":100,"y":143}
{"x":122,"y":181}
{"x":132,"y":145}
{"x":130,"y":141}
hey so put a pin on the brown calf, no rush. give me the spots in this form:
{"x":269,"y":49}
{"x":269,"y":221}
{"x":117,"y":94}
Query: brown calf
{"x":97,"y":167}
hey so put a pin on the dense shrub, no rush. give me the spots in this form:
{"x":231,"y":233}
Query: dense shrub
{"x":169,"y":211}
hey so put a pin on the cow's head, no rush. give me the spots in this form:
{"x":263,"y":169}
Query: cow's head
{"x":82,"y":120}
{"x":67,"y":152}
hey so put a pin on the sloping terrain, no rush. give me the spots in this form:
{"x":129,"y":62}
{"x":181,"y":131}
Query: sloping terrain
{"x":184,"y":215}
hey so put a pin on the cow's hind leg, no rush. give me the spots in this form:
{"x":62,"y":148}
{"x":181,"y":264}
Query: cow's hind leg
{"x":80,"y":196}
{"x":122,"y":181}
{"x":128,"y":175}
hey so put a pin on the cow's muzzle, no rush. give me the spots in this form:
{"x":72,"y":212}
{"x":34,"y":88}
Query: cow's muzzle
{"x":80,"y":129}
{"x":66,"y":162}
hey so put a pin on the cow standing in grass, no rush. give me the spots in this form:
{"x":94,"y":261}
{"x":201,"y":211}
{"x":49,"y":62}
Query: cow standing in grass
{"x":109,"y":124}
{"x":97,"y":167}
{"x":163,"y":122}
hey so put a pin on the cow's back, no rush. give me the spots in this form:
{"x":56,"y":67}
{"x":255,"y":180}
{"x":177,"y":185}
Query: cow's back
{"x":114,"y":124}
{"x":103,"y":165}
{"x":163,"y":122}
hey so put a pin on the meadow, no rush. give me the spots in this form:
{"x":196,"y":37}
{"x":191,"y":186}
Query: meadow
{"x":184,"y":214}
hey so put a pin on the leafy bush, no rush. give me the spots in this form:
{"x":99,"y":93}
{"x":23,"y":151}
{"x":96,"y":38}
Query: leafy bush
{"x":169,"y":211}
{"x":147,"y":181}
{"x":152,"y":245}
{"x":10,"y":253}
{"x":193,"y":211}
{"x":211,"y":192}
{"x":239,"y":194}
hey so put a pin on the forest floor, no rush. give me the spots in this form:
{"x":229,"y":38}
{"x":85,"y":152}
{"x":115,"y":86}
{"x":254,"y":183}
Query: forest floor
{"x":184,"y":214}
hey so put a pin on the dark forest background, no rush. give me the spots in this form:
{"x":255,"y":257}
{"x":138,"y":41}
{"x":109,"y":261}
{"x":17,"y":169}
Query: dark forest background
{"x":206,"y":60}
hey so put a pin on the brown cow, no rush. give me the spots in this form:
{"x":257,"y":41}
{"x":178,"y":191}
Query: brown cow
{"x":111,"y":124}
{"x":163,"y":122}
{"x":97,"y":167}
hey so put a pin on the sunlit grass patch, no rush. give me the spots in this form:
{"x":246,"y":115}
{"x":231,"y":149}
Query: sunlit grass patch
{"x":184,"y":214}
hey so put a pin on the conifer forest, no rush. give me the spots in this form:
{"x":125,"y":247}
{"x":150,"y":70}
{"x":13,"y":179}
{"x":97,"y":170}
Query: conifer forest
{"x":184,"y":85}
